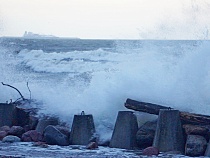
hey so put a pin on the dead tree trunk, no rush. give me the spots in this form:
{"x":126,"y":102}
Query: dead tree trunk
{"x":150,"y":108}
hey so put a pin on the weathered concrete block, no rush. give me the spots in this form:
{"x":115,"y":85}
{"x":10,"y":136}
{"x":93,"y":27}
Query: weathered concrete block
{"x":83,"y":130}
{"x":124,"y":134}
{"x":207,"y":152}
{"x":169,"y":135}
{"x":44,"y":122}
{"x":22,"y":117}
{"x":7,"y":114}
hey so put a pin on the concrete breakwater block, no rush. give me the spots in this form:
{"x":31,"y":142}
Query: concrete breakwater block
{"x":124,"y":134}
{"x":83,"y":130}
{"x":44,"y":122}
{"x":207,"y":152}
{"x":7,"y":114}
{"x":169,"y":135}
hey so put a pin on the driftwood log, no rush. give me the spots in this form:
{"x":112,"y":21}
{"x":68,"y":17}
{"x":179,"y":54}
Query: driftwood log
{"x":150,"y":108}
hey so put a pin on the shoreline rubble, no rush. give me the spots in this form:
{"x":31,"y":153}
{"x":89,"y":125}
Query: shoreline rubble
{"x":47,"y":133}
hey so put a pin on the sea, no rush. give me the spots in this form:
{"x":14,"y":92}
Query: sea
{"x":68,"y":76}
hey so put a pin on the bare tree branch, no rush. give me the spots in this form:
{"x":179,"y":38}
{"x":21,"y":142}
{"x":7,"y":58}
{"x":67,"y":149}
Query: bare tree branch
{"x":29,"y":90}
{"x":15,"y":89}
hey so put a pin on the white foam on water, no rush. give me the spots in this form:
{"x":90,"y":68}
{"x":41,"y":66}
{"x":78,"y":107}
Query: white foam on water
{"x":98,"y":82}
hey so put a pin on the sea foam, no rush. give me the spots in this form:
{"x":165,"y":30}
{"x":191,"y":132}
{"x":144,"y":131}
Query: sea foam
{"x":99,"y":81}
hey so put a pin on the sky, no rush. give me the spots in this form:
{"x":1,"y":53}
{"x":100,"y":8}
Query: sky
{"x":107,"y":19}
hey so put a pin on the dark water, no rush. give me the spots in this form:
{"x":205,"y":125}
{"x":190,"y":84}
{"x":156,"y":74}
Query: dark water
{"x":56,"y":45}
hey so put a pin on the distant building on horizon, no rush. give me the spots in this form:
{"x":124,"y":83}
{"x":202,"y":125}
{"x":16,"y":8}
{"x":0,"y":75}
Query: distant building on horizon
{"x":33,"y":35}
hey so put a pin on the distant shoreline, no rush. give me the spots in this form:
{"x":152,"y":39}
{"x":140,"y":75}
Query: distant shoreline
{"x":56,"y":38}
{"x":77,"y":38}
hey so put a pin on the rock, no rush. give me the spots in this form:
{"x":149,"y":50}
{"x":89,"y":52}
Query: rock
{"x":195,"y":130}
{"x":53,"y":136}
{"x":40,"y":144}
{"x":5,"y":128}
{"x":146,"y":134}
{"x":104,"y":143}
{"x":16,"y":131}
{"x":149,"y":151}
{"x":44,"y":122}
{"x":195,"y":145}
{"x":33,"y":121}
{"x":173,"y":152}
{"x":2,"y":134}
{"x":92,"y":145}
{"x":32,"y":136}
{"x":64,"y":130}
{"x":10,"y":139}
{"x":26,"y":128}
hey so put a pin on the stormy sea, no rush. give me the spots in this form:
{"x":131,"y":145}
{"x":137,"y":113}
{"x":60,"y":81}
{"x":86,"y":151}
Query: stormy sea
{"x":68,"y":76}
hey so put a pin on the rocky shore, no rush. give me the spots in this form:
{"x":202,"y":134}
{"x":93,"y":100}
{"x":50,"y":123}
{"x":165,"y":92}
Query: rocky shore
{"x":25,"y":134}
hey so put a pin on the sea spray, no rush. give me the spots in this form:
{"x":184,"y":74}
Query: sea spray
{"x":171,"y":73}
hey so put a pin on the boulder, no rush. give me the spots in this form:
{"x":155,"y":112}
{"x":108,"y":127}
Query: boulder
{"x":146,"y":134}
{"x":195,"y":130}
{"x":33,"y":121}
{"x":173,"y":152}
{"x":5,"y":128}
{"x":32,"y":136}
{"x":16,"y":131}
{"x":195,"y":145}
{"x":40,"y":144}
{"x":64,"y":130}
{"x":149,"y":151}
{"x":44,"y":122}
{"x":10,"y":139}
{"x":92,"y":145}
{"x":2,"y":134}
{"x":53,"y":136}
{"x":26,"y":128}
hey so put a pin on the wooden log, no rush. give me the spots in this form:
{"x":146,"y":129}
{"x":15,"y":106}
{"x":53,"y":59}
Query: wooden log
{"x":144,"y":107}
{"x":150,"y":108}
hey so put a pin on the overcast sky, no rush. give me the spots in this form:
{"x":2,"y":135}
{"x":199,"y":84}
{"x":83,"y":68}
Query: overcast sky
{"x":107,"y":19}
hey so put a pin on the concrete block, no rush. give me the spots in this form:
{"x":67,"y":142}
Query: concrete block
{"x":7,"y":114}
{"x":83,"y":130}
{"x":124,"y":134}
{"x":207,"y":152}
{"x":169,"y":134}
